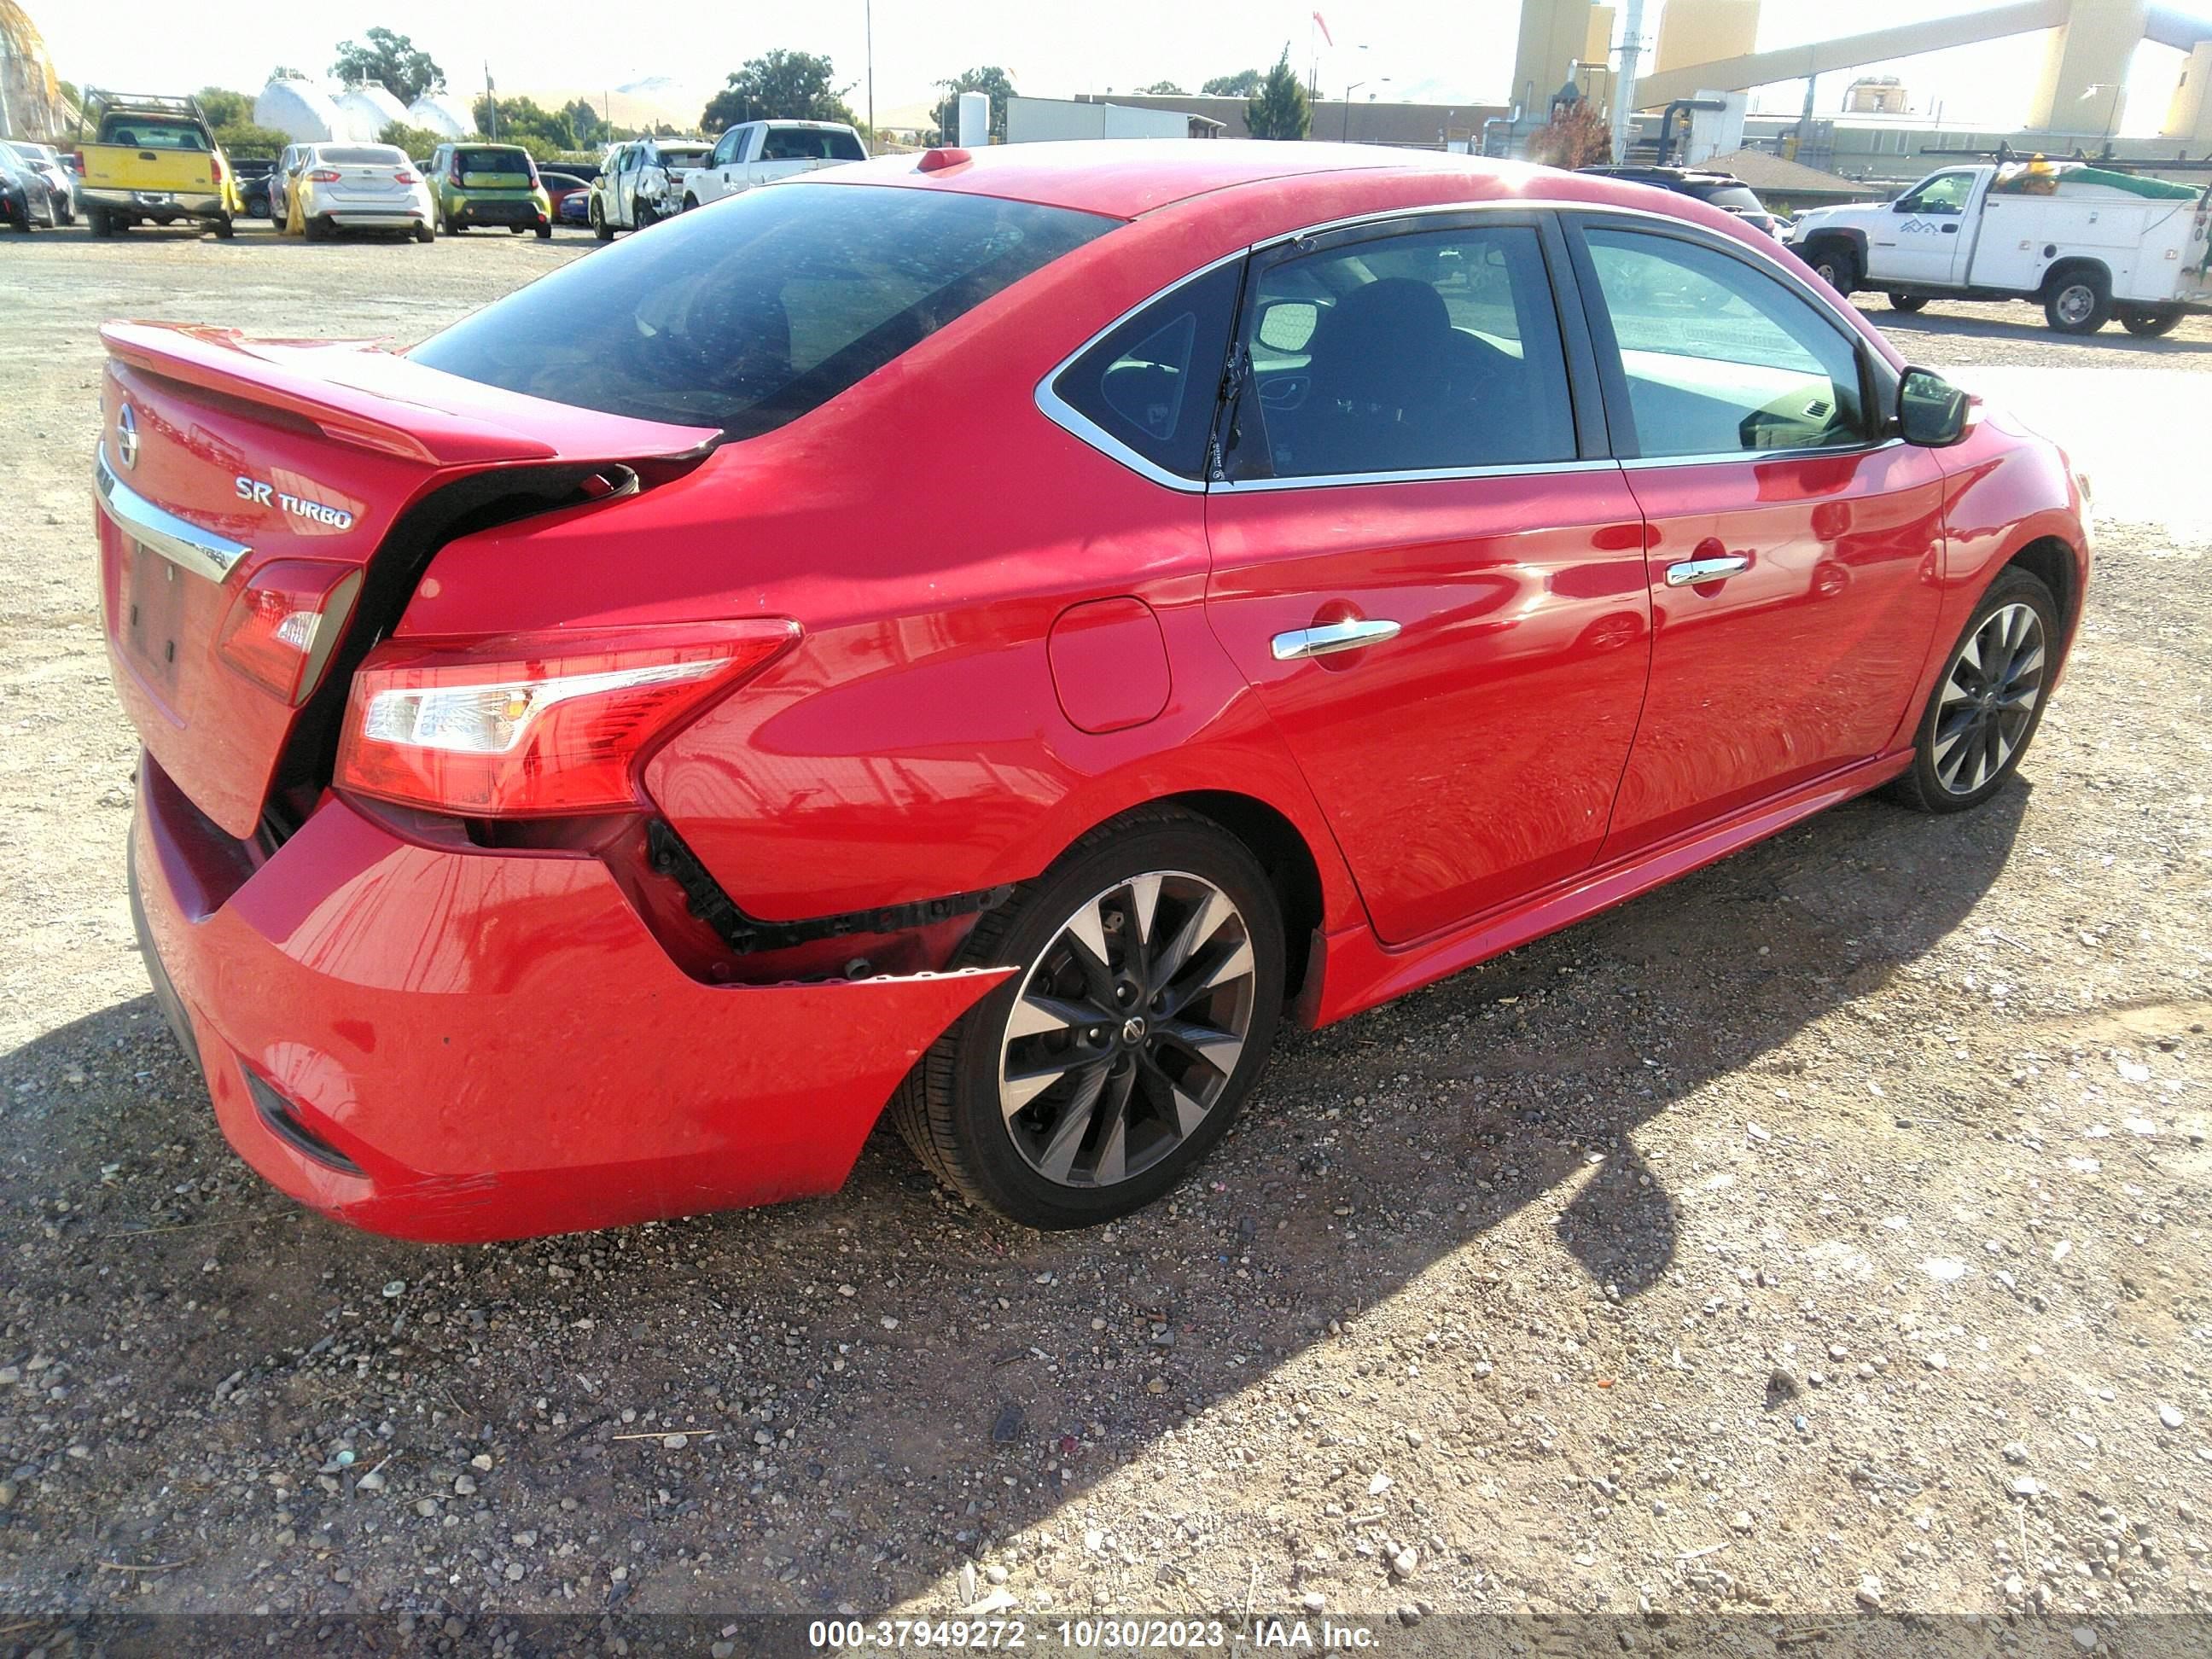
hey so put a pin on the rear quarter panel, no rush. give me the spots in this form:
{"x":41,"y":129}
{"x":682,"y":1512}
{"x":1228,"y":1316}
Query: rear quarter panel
{"x":926,"y":529}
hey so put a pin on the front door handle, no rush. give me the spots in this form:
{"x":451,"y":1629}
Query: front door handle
{"x":1330,"y":637}
{"x":1691,"y":573}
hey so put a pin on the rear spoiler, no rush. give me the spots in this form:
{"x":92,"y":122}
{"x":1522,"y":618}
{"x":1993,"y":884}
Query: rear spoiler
{"x":357,"y":393}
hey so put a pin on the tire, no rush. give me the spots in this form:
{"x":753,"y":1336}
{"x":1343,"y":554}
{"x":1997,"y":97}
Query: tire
{"x":2078,"y":299}
{"x":545,"y":233}
{"x":690,"y":201}
{"x":224,"y":228}
{"x":1833,"y":263}
{"x":99,"y":222}
{"x":600,"y":228}
{"x":2149,"y":322}
{"x":1150,"y":1110}
{"x":1908,"y":303}
{"x":315,"y":228}
{"x":643,"y":213}
{"x":1949,"y":774}
{"x":426,"y":232}
{"x":453,"y":225}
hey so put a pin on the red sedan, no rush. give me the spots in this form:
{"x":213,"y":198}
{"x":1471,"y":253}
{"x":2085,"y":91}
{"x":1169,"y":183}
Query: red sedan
{"x":994,"y":637}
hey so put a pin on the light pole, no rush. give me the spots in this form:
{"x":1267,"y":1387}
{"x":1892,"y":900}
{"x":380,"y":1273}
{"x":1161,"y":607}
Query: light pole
{"x":868,"y":35}
{"x":1345,"y":136}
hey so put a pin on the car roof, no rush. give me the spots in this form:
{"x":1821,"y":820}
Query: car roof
{"x":1128,"y":177}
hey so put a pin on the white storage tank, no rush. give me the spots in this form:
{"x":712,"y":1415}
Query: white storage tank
{"x":302,"y":112}
{"x":443,"y":114}
{"x":366,"y":111}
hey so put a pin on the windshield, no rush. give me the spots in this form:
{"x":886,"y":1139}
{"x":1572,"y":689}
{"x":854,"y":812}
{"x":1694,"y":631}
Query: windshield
{"x":754,"y":312}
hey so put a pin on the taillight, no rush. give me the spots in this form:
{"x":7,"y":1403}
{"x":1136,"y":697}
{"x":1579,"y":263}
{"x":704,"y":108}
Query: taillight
{"x":215,"y":163}
{"x":537,"y":725}
{"x":283,"y":623}
{"x":404,"y":177}
{"x":323,"y":176}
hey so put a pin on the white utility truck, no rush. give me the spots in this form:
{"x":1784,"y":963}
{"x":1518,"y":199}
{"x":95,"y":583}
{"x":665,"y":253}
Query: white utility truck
{"x":757,"y":152}
{"x":2090,"y":243}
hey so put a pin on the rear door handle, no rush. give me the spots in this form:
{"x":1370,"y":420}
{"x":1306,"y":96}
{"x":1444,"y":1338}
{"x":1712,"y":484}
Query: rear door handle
{"x":1690,"y":573}
{"x":1331,"y":637}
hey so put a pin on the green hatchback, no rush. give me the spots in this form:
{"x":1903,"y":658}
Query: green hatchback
{"x":488,"y":184}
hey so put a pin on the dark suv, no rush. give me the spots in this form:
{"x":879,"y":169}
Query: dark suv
{"x":1723,"y":190}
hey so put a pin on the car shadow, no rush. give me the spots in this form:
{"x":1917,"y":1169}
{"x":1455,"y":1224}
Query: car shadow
{"x":886,"y":1381}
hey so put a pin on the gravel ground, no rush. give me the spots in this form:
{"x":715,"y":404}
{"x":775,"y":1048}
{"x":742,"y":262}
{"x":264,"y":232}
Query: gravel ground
{"x":1825,"y":1232}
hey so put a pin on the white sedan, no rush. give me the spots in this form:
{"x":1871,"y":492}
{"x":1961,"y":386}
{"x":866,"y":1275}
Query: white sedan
{"x":360,"y":187}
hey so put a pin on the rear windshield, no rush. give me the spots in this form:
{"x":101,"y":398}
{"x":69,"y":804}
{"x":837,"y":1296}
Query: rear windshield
{"x":752,"y":313}
{"x":808,"y":144}
{"x":682,"y":158}
{"x":1736,"y":199}
{"x":492,"y":160}
{"x":151,"y":134}
{"x":361,"y":155}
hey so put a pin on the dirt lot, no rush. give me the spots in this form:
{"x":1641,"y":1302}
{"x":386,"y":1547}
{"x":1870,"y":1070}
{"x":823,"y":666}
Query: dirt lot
{"x":1826,"y":1231}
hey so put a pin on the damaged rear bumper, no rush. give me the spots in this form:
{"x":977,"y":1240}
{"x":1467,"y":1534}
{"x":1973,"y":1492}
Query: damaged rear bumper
{"x":459,"y":1045}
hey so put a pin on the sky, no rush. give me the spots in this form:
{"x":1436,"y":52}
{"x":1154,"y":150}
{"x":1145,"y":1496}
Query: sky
{"x":1423,"y":50}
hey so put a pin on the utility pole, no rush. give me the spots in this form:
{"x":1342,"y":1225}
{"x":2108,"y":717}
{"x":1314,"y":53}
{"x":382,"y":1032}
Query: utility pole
{"x":1624,"y":78}
{"x":491,"y":100}
{"x":868,"y":35}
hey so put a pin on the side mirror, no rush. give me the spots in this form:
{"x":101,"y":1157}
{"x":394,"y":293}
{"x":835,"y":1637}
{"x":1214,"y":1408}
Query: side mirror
{"x":1931,"y":412}
{"x":1288,"y":325}
{"x":1902,"y":206}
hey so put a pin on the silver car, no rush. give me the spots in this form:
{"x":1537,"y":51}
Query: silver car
{"x":351,"y":187}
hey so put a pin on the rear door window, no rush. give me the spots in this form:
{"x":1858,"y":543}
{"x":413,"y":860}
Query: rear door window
{"x":1428,"y":350}
{"x":805,"y":144}
{"x":1152,"y":383}
{"x":754,"y":314}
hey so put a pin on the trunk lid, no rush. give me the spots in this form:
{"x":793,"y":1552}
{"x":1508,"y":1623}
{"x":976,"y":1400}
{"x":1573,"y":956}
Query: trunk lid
{"x":220,"y":457}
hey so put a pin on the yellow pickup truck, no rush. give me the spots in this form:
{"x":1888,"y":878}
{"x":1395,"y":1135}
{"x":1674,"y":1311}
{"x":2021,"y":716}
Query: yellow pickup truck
{"x":152,"y":159}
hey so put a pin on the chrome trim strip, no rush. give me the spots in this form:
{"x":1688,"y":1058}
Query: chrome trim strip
{"x":1078,"y":425}
{"x":1327,"y":480}
{"x":1081,"y":427}
{"x":1646,"y":463}
{"x":181,"y":542}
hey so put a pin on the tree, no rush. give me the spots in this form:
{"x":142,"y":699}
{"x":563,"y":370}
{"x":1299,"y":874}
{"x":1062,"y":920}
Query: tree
{"x":1161,"y":89}
{"x":544,"y":133}
{"x":1575,"y":136}
{"x":242,"y":140}
{"x":225,"y":108}
{"x":394,"y":62}
{"x":583,"y":123}
{"x":1242,"y":84}
{"x":991,"y":79}
{"x":779,"y":86}
{"x":1277,"y":107}
{"x":418,"y":141}
{"x":286,"y":72}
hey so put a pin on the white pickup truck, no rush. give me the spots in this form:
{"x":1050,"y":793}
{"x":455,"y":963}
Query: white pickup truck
{"x":2088,"y":243}
{"x":758,"y":152}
